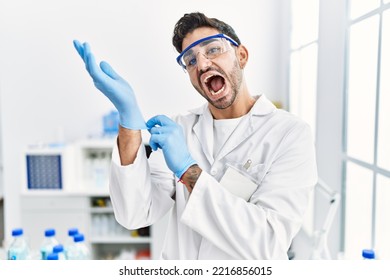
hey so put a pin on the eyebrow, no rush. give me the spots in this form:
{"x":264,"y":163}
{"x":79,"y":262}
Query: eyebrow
{"x":190,"y":51}
{"x":208,"y":41}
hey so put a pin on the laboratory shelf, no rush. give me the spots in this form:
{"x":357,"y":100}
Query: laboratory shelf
{"x":120,"y":240}
{"x":101,"y":210}
{"x":97,"y":143}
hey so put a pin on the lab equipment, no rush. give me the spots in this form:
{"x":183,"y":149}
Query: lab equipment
{"x":48,"y":243}
{"x":168,"y":136}
{"x":100,"y":166}
{"x":19,"y":249}
{"x":320,"y":241}
{"x":49,"y":167}
{"x":111,"y":123}
{"x":114,"y":87}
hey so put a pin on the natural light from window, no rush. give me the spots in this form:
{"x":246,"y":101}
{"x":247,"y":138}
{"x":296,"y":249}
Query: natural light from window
{"x":360,"y":7}
{"x":384,"y":103}
{"x":361,"y":93}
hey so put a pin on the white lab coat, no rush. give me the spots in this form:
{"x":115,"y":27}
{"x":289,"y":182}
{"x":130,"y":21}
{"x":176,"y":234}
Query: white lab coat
{"x":212,"y":223}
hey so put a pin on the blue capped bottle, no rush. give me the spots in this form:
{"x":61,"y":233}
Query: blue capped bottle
{"x":59,"y":250}
{"x":48,"y":243}
{"x":79,"y":250}
{"x":18,"y":249}
{"x":70,"y":240}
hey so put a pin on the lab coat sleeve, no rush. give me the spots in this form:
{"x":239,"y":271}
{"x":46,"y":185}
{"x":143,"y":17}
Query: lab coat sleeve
{"x":264,"y":226}
{"x":138,"y":198}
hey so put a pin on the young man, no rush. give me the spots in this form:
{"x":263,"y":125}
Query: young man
{"x":236,"y":173}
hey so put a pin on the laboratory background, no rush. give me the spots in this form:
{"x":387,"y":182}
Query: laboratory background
{"x":327,"y":61}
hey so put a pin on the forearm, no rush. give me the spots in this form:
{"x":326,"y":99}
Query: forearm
{"x":129,"y":141}
{"x":139,"y":198}
{"x":190,"y":177}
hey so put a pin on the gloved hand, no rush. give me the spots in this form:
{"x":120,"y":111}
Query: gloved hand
{"x":168,"y":136}
{"x":114,"y":87}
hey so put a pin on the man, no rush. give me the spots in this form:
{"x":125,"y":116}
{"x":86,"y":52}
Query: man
{"x":236,"y":173}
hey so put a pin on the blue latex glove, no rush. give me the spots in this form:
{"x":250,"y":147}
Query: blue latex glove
{"x":168,"y":136}
{"x":114,"y":87}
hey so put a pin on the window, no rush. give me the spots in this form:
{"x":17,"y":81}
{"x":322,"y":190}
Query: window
{"x":367,"y":129}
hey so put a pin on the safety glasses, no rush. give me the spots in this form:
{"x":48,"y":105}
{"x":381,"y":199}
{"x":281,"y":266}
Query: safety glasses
{"x":210,"y":47}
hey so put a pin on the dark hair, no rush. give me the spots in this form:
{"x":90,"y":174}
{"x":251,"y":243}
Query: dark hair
{"x":192,"y":21}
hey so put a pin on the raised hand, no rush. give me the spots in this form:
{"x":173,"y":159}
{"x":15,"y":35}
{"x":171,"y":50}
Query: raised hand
{"x":114,"y":87}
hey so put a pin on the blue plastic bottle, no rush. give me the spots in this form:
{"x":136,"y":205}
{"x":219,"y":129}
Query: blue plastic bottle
{"x":19,"y":249}
{"x":48,"y":243}
{"x":79,"y":250}
{"x":70,"y":240}
{"x":59,"y":250}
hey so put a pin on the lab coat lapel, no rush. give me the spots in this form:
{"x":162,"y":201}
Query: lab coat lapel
{"x":247,"y":126}
{"x":203,"y":130}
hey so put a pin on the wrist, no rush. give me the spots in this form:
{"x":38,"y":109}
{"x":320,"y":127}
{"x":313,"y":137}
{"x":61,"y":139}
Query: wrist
{"x":186,"y":164}
{"x":132,"y":119}
{"x":190,"y":177}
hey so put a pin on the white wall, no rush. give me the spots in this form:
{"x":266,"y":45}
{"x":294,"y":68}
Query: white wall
{"x":45,"y":90}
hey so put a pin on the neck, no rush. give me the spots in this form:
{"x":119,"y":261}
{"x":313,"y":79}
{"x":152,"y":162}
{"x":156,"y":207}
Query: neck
{"x":240,"y":107}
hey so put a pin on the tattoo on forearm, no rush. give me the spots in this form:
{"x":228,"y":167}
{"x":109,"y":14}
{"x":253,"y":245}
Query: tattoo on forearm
{"x":191,"y":176}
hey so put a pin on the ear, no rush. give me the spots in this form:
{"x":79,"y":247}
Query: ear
{"x":242,"y":55}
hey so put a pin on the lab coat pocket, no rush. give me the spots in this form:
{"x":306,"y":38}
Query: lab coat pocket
{"x":240,"y":180}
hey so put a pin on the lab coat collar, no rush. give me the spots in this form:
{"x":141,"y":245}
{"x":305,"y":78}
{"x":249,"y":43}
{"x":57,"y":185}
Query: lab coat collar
{"x":204,"y":127}
{"x":262,"y":107}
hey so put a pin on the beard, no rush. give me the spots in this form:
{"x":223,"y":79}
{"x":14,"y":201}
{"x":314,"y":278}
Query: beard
{"x":234,"y":78}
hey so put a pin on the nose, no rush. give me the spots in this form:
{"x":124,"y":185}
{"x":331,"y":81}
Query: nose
{"x":202,"y":61}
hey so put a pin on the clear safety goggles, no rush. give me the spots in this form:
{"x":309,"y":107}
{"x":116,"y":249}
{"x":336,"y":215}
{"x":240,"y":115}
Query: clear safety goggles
{"x":210,"y":47}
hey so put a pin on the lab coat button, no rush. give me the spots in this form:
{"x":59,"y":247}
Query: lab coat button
{"x":213,"y":172}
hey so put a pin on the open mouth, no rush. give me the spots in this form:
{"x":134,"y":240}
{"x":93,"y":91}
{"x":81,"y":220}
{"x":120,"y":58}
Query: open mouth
{"x":215,"y":83}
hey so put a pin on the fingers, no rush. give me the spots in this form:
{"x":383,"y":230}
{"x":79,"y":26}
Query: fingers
{"x":84,"y":50}
{"x":79,"y":47}
{"x":161,"y":129}
{"x":90,"y":62}
{"x":160,"y":120}
{"x":108,"y":70}
{"x":154,"y":143}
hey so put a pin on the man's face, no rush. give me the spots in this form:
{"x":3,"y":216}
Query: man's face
{"x":219,"y":79}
